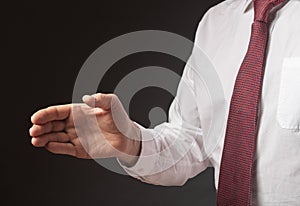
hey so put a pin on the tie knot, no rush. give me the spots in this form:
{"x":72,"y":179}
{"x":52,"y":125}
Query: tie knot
{"x":262,"y":9}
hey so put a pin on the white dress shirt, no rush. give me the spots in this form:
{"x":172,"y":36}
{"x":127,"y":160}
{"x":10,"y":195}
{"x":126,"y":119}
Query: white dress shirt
{"x":181,"y":148}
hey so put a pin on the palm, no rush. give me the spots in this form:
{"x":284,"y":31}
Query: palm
{"x":94,"y":130}
{"x":84,"y":130}
{"x":55,"y":129}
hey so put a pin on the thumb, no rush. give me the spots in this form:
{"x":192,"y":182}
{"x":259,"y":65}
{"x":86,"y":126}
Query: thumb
{"x":99,"y":100}
{"x":120,"y":118}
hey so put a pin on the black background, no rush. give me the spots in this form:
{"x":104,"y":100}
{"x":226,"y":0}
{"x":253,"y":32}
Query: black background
{"x":45,"y":45}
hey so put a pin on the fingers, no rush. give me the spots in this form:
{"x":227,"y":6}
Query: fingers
{"x":52,"y":113}
{"x":61,"y":148}
{"x":99,"y":100}
{"x":43,"y":140}
{"x":54,"y":126}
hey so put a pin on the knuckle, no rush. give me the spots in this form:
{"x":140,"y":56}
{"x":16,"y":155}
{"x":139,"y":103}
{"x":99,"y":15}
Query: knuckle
{"x":50,"y":126}
{"x":98,"y":96}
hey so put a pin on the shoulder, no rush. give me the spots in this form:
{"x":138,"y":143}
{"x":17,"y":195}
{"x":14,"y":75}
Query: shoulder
{"x":227,"y":7}
{"x":220,"y":15}
{"x":217,"y":23}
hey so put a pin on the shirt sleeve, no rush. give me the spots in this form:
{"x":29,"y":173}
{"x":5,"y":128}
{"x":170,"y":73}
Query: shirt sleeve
{"x":173,"y":151}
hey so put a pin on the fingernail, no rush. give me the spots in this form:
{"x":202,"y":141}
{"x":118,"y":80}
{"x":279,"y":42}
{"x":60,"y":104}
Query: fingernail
{"x":30,"y":129}
{"x":86,"y":97}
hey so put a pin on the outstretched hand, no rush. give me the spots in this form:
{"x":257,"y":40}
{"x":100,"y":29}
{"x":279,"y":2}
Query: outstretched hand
{"x":99,"y":128}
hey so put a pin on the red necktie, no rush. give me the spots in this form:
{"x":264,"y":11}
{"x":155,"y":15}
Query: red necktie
{"x":239,"y":147}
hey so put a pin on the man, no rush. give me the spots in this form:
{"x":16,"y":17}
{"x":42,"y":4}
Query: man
{"x":255,"y":156}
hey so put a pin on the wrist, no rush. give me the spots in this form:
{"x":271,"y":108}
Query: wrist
{"x":131,"y":147}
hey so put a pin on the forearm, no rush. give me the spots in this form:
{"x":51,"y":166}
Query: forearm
{"x":167,"y":157}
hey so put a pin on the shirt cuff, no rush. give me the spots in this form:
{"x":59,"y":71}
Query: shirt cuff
{"x":147,"y":159}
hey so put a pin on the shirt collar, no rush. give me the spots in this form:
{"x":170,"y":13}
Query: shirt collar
{"x":248,"y":5}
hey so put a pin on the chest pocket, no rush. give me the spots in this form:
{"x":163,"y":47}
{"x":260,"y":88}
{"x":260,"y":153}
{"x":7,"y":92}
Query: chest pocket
{"x":288,"y":111}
